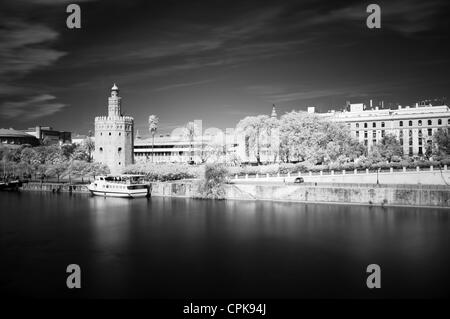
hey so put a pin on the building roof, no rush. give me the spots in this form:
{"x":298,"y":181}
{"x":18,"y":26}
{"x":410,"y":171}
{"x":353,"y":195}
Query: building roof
{"x":5,"y":132}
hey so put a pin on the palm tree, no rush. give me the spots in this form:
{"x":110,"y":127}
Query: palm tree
{"x":153,"y":121}
{"x":190,"y":131}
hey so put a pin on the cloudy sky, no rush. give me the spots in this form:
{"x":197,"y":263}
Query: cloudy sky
{"x":214,"y":60}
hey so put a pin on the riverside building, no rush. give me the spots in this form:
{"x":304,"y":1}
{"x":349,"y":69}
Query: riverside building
{"x":413,"y":126}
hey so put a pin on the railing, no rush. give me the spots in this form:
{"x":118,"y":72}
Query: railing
{"x":340,"y":172}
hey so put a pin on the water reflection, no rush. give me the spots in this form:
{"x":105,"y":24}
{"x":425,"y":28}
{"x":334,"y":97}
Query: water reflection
{"x":162,"y":247}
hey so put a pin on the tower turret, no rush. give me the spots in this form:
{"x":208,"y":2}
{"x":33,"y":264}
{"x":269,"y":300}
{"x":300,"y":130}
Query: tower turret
{"x":274,"y":111}
{"x":114,"y":101}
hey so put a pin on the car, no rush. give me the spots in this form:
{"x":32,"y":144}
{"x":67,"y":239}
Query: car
{"x":299,"y":180}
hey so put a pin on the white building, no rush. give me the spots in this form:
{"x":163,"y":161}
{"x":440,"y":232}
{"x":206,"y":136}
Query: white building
{"x":114,"y":136}
{"x":413,"y":126}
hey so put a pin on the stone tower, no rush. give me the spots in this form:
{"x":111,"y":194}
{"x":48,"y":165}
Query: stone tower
{"x":114,"y":136}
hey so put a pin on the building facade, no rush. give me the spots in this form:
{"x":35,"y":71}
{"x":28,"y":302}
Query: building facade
{"x":11,"y":137}
{"x":413,"y":126}
{"x":114,"y":136}
{"x":47,"y":135}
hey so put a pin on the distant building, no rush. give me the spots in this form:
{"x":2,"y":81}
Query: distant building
{"x":49,"y":135}
{"x":80,"y":139}
{"x":114,"y":136}
{"x":413,"y":126}
{"x":172,"y":149}
{"x":13,"y":137}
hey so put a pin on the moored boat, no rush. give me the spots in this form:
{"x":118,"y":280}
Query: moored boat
{"x":125,"y":185}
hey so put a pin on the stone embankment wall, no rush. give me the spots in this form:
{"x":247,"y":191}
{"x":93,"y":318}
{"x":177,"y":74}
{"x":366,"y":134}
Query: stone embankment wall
{"x":365,"y":194}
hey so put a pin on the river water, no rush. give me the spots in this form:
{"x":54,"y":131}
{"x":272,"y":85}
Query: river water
{"x":186,"y":248}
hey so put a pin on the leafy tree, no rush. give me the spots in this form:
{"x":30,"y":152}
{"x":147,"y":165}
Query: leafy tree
{"x":89,"y":145}
{"x":441,"y":138}
{"x":255,"y":128}
{"x":56,"y":169}
{"x":388,"y":147}
{"x":309,"y":137}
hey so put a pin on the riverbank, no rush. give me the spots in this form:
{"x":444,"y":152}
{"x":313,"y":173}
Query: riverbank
{"x":360,"y":194}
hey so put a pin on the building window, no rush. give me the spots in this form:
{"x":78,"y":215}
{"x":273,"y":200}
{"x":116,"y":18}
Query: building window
{"x":374,"y":124}
{"x":119,"y":149}
{"x":365,"y":134}
{"x":410,"y":123}
{"x":382,"y":124}
{"x":120,"y":134}
{"x":382,"y":133}
{"x":410,"y":151}
{"x":430,"y":122}
{"x":430,"y":132}
{"x":109,"y":133}
{"x":119,"y":163}
{"x":357,"y":124}
{"x":101,"y":149}
{"x":357,"y":133}
{"x":400,"y":123}
{"x":439,"y":122}
{"x":420,"y":151}
{"x":365,"y":125}
{"x":401,"y":141}
{"x":374,"y":134}
{"x":410,"y":133}
{"x":419,"y":123}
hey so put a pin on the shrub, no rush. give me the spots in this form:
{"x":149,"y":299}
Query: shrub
{"x":211,"y":186}
{"x":164,"y":172}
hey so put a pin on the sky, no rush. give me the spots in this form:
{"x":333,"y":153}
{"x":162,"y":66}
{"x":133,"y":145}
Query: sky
{"x":218,"y":61}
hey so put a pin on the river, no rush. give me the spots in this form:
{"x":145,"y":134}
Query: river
{"x":186,"y":248}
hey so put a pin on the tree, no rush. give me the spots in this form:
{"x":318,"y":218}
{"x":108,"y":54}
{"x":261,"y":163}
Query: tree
{"x":153,"y":121}
{"x":309,"y":137}
{"x":56,"y":169}
{"x":441,"y":138}
{"x":90,"y":146}
{"x":254,"y":127}
{"x":388,"y":147}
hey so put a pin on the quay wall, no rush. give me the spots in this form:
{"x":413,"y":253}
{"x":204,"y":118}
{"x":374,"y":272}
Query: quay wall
{"x":55,"y":187}
{"x":362,"y":194}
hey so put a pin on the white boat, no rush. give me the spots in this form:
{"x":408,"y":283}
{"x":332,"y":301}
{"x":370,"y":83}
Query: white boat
{"x":126,"y":185}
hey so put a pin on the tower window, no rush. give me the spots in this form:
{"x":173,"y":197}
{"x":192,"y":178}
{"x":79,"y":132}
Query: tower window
{"x":430,"y":122}
{"x":439,"y":122}
{"x":382,"y":124}
{"x":374,"y":124}
{"x":365,"y":125}
{"x":120,"y":134}
{"x":119,"y":149}
{"x":101,"y":149}
{"x":420,"y":123}
{"x":410,"y":123}
{"x":109,"y":133}
{"x":119,"y":163}
{"x":401,"y":123}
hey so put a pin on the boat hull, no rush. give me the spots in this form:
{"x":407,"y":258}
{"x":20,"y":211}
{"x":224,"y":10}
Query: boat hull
{"x":120,"y":194}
